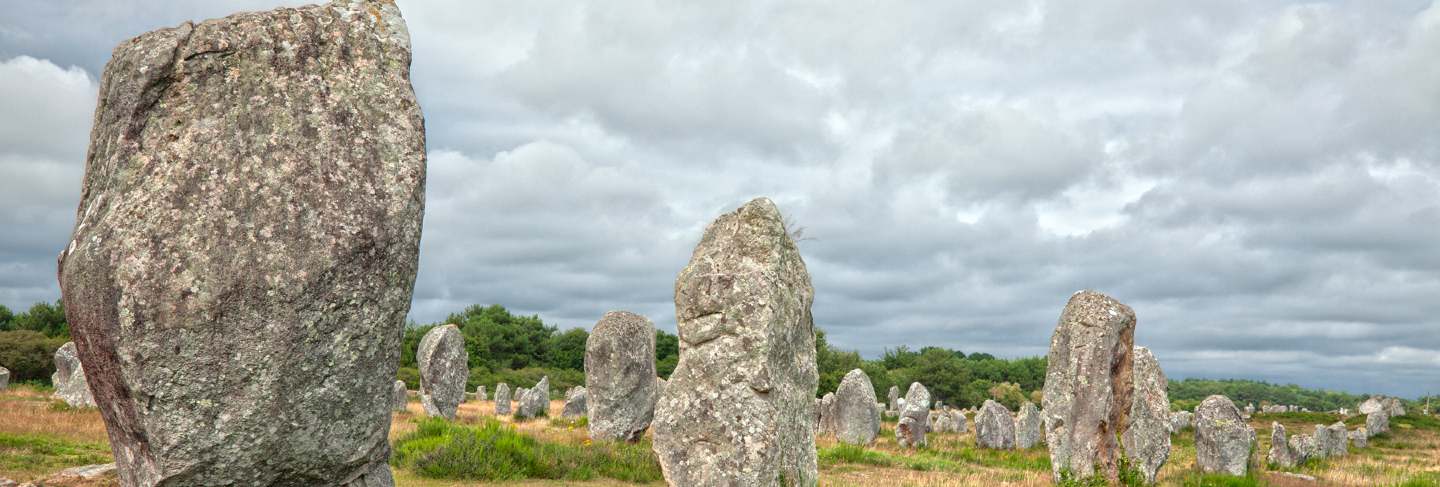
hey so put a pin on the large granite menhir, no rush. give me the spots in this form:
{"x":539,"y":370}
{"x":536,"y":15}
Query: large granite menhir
{"x":1223,"y":440}
{"x":1146,"y":435}
{"x":245,"y":246}
{"x":443,"y":370}
{"x":69,"y":378}
{"x":1088,"y":385}
{"x":854,"y":418}
{"x":620,"y":381}
{"x":739,"y":408}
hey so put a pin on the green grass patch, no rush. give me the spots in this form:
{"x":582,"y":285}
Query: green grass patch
{"x":853,"y":454}
{"x":494,"y":451}
{"x":1298,"y":417}
{"x":1196,"y":479}
{"x":34,"y":453}
{"x":1424,"y":479}
{"x":570,"y":423}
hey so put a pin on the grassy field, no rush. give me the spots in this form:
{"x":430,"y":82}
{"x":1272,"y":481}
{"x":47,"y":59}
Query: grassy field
{"x":39,"y":437}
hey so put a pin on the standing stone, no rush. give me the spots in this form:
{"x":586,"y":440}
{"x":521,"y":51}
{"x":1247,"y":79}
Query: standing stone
{"x":1147,"y":428}
{"x":246,"y":244}
{"x":1371,"y":405}
{"x":1394,"y":407}
{"x":69,"y":378}
{"x":827,"y":414}
{"x":1180,"y":420}
{"x":1339,"y":437}
{"x":1323,"y":441}
{"x":519,"y":394}
{"x":957,"y":418}
{"x":443,"y":370}
{"x":536,"y":400}
{"x":1303,"y":447}
{"x":994,"y":426}
{"x":1280,"y":453}
{"x":739,"y":409}
{"x":1222,"y":439}
{"x":620,"y":381}
{"x":575,"y":400}
{"x":480,"y":393}
{"x":942,"y":422}
{"x":399,"y":397}
{"x":502,"y":399}
{"x":4,"y":378}
{"x":855,"y":420}
{"x":1088,"y":385}
{"x":917,"y":409}
{"x":1377,"y":422}
{"x":1028,"y":426}
{"x":893,"y":396}
{"x":1359,"y":437}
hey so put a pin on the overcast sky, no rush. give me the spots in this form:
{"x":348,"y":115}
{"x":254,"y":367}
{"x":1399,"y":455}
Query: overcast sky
{"x":1259,"y":180}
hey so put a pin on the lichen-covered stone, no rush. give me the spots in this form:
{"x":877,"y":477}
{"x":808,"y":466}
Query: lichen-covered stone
{"x":1339,"y":439}
{"x":1303,"y":447}
{"x":620,"y":382}
{"x":535,"y":401}
{"x":917,"y":408}
{"x":892,"y":396}
{"x":1377,"y":422}
{"x":399,"y":398}
{"x":827,"y":414}
{"x":1223,"y":441}
{"x":855,"y":420}
{"x":1322,"y":441}
{"x":1372,"y":404}
{"x":738,"y":408}
{"x":1180,"y":420}
{"x":1028,"y":426}
{"x":994,"y":426}
{"x":1146,"y":435}
{"x":443,"y":370}
{"x":480,"y":394}
{"x":69,"y":378}
{"x":1088,"y":384}
{"x":941,"y":423}
{"x":575,"y":400}
{"x":4,"y":378}
{"x":1280,"y":452}
{"x":502,"y":399}
{"x":246,"y":243}
{"x":959,"y":421}
{"x":1359,"y":437}
{"x":1393,"y":406}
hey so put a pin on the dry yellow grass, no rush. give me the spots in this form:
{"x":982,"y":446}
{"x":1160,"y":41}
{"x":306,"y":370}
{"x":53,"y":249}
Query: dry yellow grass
{"x":25,"y":411}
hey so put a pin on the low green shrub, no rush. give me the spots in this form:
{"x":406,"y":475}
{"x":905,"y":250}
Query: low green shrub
{"x":494,"y":451}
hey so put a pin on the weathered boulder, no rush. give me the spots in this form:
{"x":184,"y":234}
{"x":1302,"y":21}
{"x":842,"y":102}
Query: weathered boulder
{"x":1303,"y":447}
{"x":994,"y":426}
{"x":1180,"y":420}
{"x":4,"y":378}
{"x":502,"y":399}
{"x":1322,"y":441}
{"x":1280,"y":452}
{"x":958,"y":419}
{"x":1359,"y":437}
{"x":519,"y":394}
{"x":575,"y":400}
{"x":1373,"y":404}
{"x":398,"y":396}
{"x":1393,"y":406}
{"x":1028,"y":426}
{"x":246,"y":244}
{"x":1339,"y":438}
{"x":620,"y":382}
{"x":917,"y":408}
{"x":443,"y":370}
{"x":480,"y":393}
{"x":1377,"y":422}
{"x":535,"y":401}
{"x":827,"y":414}
{"x":893,"y":395}
{"x":855,"y":420}
{"x":69,"y":378}
{"x":1146,"y":435}
{"x":1088,"y":385}
{"x":941,"y":422}
{"x":1223,"y":440}
{"x":738,"y":408}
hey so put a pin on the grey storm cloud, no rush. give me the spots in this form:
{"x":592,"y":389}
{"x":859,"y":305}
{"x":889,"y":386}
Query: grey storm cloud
{"x":1259,"y":180}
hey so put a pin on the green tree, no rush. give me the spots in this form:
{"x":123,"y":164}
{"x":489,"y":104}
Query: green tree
{"x":567,"y":349}
{"x":832,"y":364}
{"x":497,"y":339}
{"x":29,"y":354}
{"x":45,"y":318}
{"x":5,"y":318}
{"x":667,"y":353}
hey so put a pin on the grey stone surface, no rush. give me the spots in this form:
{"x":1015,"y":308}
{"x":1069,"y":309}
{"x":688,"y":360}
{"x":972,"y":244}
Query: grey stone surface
{"x":1088,"y":385}
{"x":69,"y":378}
{"x":917,"y":408}
{"x":246,"y":243}
{"x":827,"y":414}
{"x":1322,"y":441}
{"x":535,"y":401}
{"x":1280,"y":452}
{"x":1180,"y":420}
{"x":893,"y":395}
{"x":994,"y":426}
{"x":1028,"y":426}
{"x":502,"y":399}
{"x":1146,"y":435}
{"x":855,"y":420}
{"x":1359,"y":437}
{"x":1372,"y":404}
{"x":1377,"y":422}
{"x":444,"y":368}
{"x":4,"y":378}
{"x":1223,"y":441}
{"x":739,"y":406}
{"x":480,"y":394}
{"x":1393,"y":406}
{"x":399,"y":398}
{"x":575,"y":402}
{"x":1339,"y":439}
{"x":958,"y":419}
{"x":1303,"y":447}
{"x":621,"y":386}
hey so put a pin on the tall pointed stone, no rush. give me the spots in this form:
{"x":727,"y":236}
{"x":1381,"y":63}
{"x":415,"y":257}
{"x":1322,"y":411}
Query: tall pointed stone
{"x":502,"y":399}
{"x":246,"y":243}
{"x":738,"y":409}
{"x":917,"y":409}
{"x":1146,"y":437}
{"x":69,"y":378}
{"x":620,"y":376}
{"x":855,"y":421}
{"x":995,"y":426}
{"x":444,"y":369}
{"x":1223,"y":441}
{"x":1088,"y":385}
{"x":1028,"y":429}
